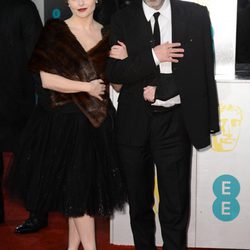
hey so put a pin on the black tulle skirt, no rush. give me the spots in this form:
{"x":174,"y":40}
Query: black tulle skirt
{"x":64,"y":164}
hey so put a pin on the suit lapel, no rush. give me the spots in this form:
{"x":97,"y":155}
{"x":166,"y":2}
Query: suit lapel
{"x":142,"y":28}
{"x":179,"y":23}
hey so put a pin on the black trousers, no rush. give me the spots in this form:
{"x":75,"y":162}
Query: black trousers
{"x":169,"y":149}
{"x":1,"y":189}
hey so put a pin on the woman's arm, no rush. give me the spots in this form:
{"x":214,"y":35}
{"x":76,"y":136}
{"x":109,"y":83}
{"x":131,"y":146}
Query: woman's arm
{"x":118,"y":52}
{"x":64,"y":85}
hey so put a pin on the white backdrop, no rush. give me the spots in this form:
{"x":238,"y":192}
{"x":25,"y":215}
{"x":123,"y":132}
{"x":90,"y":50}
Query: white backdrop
{"x":223,"y":174}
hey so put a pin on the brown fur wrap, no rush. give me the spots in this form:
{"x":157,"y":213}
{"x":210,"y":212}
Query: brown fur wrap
{"x":58,"y":52}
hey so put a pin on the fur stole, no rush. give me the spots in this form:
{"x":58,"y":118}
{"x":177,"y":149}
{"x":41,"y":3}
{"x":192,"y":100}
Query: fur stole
{"x":59,"y":52}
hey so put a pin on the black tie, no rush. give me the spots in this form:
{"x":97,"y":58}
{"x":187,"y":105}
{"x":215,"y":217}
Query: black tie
{"x":157,"y":35}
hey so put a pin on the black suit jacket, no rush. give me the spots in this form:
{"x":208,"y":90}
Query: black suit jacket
{"x":194,"y":74}
{"x":20,"y":27}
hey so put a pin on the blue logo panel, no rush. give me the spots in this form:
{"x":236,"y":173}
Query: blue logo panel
{"x":226,"y":207}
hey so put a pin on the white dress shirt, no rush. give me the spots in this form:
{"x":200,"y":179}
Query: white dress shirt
{"x":165,"y":24}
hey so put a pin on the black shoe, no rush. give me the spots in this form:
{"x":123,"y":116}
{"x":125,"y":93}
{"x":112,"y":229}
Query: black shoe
{"x":31,"y":225}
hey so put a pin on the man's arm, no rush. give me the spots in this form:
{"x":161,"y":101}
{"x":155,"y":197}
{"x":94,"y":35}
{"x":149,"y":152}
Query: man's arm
{"x":132,"y":69}
{"x":211,"y":84}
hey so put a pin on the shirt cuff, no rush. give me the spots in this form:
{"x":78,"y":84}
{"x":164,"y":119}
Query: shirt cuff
{"x":157,"y":62}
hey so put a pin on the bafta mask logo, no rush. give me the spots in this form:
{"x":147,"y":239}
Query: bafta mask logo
{"x":230,"y":122}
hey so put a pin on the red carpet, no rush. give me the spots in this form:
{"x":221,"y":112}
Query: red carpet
{"x":54,"y":237}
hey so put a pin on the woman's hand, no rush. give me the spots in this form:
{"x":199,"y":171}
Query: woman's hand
{"x":97,"y":88}
{"x":119,"y":51}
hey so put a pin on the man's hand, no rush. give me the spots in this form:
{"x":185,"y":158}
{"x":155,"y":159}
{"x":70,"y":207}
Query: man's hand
{"x":149,"y":93}
{"x":168,"y":52}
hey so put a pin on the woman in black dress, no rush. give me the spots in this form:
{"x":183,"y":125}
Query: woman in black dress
{"x":67,"y":159}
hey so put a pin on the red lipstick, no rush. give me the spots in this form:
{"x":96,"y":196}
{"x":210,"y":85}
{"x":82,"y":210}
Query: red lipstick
{"x":82,"y":9}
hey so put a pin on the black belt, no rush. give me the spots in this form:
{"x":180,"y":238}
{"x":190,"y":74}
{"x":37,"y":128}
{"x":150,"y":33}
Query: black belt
{"x":161,"y":109}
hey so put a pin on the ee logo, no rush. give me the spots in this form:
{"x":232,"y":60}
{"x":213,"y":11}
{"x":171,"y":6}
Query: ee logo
{"x":56,"y":13}
{"x":226,"y":207}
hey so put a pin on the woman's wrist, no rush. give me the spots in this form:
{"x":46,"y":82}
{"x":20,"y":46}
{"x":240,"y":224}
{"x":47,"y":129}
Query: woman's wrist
{"x":85,"y":87}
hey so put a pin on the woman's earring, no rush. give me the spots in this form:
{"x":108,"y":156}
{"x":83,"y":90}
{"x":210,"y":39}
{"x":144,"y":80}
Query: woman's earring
{"x":96,"y":1}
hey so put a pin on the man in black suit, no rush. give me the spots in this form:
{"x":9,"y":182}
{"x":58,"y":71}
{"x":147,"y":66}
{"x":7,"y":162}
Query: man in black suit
{"x":168,"y":102}
{"x":20,"y":27}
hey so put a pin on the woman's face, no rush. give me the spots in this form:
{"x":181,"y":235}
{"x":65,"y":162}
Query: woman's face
{"x":82,"y":8}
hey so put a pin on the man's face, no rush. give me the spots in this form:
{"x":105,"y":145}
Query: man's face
{"x":155,"y":4}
